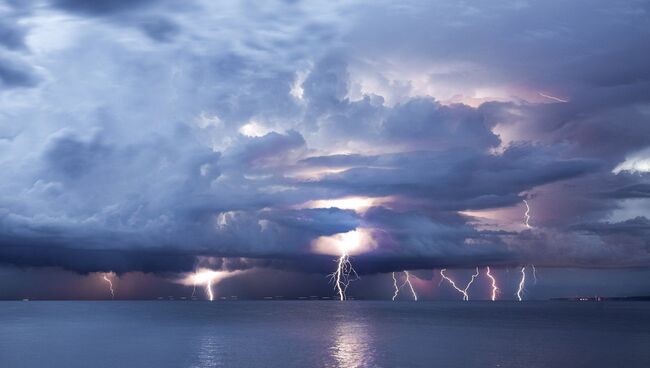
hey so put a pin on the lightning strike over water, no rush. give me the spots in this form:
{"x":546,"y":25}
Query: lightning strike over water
{"x":453,"y":284}
{"x":407,"y":281}
{"x":345,"y":273}
{"x":495,"y":289}
{"x":395,"y":286}
{"x":208,"y":290}
{"x":526,"y":222}
{"x":470,"y":283}
{"x":207,"y":278}
{"x":522,"y":284}
{"x":341,"y":277}
{"x":110,"y":284}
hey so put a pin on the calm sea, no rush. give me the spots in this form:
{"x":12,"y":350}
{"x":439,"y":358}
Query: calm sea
{"x":324,"y":334}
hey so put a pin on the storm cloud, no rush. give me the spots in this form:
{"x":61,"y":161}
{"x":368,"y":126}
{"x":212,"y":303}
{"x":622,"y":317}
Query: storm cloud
{"x":144,"y":135}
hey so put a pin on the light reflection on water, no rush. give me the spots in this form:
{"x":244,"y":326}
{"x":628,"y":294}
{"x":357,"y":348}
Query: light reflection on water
{"x":210,"y":352}
{"x":352,"y":345}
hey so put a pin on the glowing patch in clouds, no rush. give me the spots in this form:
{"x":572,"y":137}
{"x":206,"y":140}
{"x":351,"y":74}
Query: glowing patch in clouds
{"x":207,"y":278}
{"x":636,"y":163}
{"x":357,"y":204}
{"x":316,"y":173}
{"x":254,"y":129}
{"x":353,"y":242}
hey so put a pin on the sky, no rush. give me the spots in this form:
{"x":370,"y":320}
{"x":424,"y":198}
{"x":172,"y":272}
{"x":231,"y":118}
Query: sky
{"x":144,"y":140}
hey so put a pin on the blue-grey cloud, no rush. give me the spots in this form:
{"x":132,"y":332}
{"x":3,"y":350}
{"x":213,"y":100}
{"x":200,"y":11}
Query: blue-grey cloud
{"x":11,"y":35}
{"x":101,"y":7}
{"x":153,"y":134}
{"x":14,"y":74}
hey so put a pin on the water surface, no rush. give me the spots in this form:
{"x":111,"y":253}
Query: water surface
{"x":324,"y":334}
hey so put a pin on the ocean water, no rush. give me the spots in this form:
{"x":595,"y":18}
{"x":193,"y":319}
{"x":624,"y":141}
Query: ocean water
{"x":324,"y":334}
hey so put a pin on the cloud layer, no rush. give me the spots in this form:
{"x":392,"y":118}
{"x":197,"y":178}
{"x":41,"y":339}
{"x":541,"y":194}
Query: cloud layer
{"x":141,"y":136}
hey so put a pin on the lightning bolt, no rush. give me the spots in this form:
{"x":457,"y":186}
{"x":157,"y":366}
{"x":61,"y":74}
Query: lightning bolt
{"x":207,"y":278}
{"x":341,"y":277}
{"x":522,"y":284}
{"x":407,"y":281}
{"x":453,"y":284}
{"x":110,"y":284}
{"x":534,"y":273}
{"x":470,"y":283}
{"x":344,"y":270}
{"x":395,"y":286}
{"x":552,"y":97}
{"x":523,"y":279}
{"x":495,"y":289}
{"x":208,"y":290}
{"x":527,"y":215}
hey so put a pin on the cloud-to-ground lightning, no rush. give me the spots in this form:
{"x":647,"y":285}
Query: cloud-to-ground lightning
{"x":470,"y":283}
{"x":534,"y":273}
{"x":208,"y":289}
{"x":522,"y":284}
{"x":342,"y":276}
{"x":110,"y":284}
{"x":207,"y":278}
{"x":493,"y":281}
{"x":345,"y":273}
{"x":453,"y":284}
{"x":395,"y":286}
{"x":557,"y":99}
{"x":407,"y":281}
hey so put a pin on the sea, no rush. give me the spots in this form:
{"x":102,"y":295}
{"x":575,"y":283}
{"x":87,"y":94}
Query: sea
{"x":171,"y":334}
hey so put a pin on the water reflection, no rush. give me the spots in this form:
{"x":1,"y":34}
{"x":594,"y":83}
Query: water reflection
{"x":352,"y":345}
{"x":210,"y":353}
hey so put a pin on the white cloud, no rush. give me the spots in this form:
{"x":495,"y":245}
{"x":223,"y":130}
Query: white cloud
{"x":638,"y":162}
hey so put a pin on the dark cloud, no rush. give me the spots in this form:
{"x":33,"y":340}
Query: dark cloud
{"x":71,"y":157}
{"x":458,"y":179}
{"x":426,"y":121}
{"x":636,"y":227}
{"x":11,"y":36}
{"x":101,"y":7}
{"x":317,"y":221}
{"x":160,"y":29}
{"x":641,"y":190}
{"x":15,"y":74}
